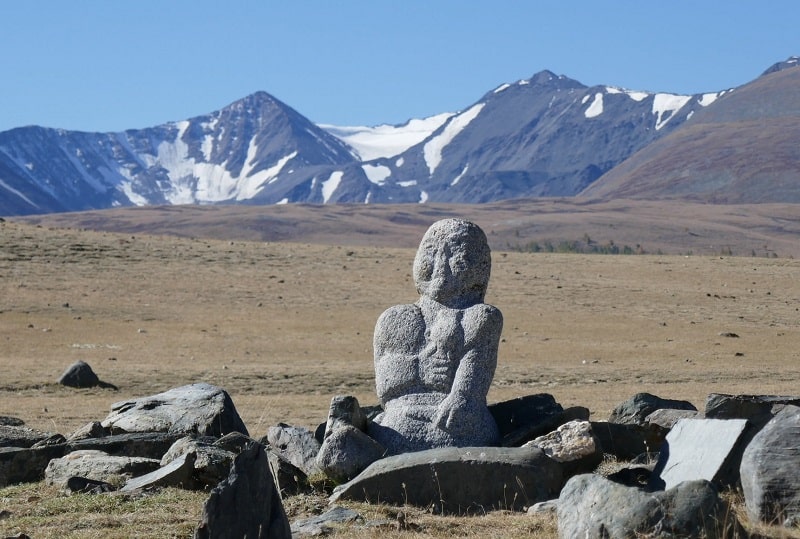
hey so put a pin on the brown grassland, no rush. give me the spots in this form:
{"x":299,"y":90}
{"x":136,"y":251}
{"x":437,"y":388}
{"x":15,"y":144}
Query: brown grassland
{"x":285,"y":326}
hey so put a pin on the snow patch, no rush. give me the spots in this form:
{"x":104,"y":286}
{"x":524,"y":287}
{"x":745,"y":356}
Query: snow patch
{"x":399,"y":163}
{"x":387,"y":140}
{"x":433,"y":148}
{"x":7,"y":187}
{"x":613,"y":90}
{"x":377,"y":174}
{"x":637,"y":96}
{"x":665,"y":105}
{"x":410,"y":183}
{"x":207,"y":146}
{"x":706,"y":99}
{"x":282,"y":201}
{"x":330,"y":185}
{"x":423,"y":197}
{"x":585,"y":99}
{"x":458,"y":178}
{"x":501,"y":88}
{"x":596,"y":108}
{"x":523,"y":82}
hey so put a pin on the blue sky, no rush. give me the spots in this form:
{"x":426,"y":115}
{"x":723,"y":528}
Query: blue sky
{"x":110,"y":65}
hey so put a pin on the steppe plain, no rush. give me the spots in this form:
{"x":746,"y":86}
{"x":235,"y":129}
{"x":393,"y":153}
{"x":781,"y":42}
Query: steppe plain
{"x":286,"y":325}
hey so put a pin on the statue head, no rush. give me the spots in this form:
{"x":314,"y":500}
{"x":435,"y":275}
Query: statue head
{"x":453,"y":263}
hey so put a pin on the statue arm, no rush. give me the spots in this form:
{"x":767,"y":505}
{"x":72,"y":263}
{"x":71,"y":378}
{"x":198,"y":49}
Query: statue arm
{"x":396,"y":343}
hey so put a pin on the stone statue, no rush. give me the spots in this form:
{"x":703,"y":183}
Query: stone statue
{"x":435,"y":359}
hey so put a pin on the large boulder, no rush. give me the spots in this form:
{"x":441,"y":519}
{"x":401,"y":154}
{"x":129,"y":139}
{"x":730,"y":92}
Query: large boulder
{"x":709,"y":449}
{"x":459,"y":480}
{"x":591,"y":506}
{"x":770,"y":470}
{"x":246,"y":503}
{"x":200,"y":409}
{"x":96,"y":465}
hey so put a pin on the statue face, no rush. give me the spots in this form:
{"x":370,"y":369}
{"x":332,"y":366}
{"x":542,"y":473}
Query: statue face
{"x":453,"y":263}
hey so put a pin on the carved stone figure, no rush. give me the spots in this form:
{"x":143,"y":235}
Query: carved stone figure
{"x":435,"y":359}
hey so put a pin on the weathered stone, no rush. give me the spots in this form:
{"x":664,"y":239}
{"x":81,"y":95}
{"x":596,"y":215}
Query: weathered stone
{"x":200,"y":409}
{"x":89,"y":430}
{"x":707,"y":449}
{"x":550,"y":507}
{"x":83,"y":485}
{"x":9,"y":421}
{"x":19,"y":436}
{"x":665,"y":418}
{"x":96,"y":465}
{"x":79,"y":374}
{"x":758,"y":409}
{"x":24,"y":465}
{"x":235,"y":442}
{"x":770,"y":470}
{"x":212,"y":463}
{"x":346,"y":452}
{"x":152,"y":445}
{"x":572,"y":444}
{"x":178,"y":473}
{"x":635,"y":410}
{"x":289,"y":479}
{"x":320,"y":525}
{"x":297,"y":444}
{"x":626,"y":441}
{"x":593,"y":507}
{"x":524,"y":418}
{"x":53,"y":439}
{"x":246,"y":503}
{"x":459,"y":480}
{"x":435,"y":359}
{"x":345,"y":410}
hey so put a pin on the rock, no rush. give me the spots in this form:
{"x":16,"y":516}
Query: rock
{"x":770,"y":470}
{"x":458,"y":480}
{"x":53,"y":439}
{"x":626,"y":441}
{"x":212,"y":463}
{"x":524,"y":418}
{"x":8,"y":421}
{"x":346,"y":452}
{"x":82,"y":485}
{"x":81,"y":375}
{"x":707,"y":449}
{"x":758,"y":409}
{"x":288,"y":478}
{"x":593,"y":507}
{"x":550,"y":507}
{"x":90,"y":430}
{"x":178,"y":473}
{"x":235,"y":442}
{"x":296,"y":444}
{"x":635,"y":410}
{"x":246,"y":503}
{"x":320,"y":525}
{"x":95,"y":465}
{"x":345,"y":410}
{"x":200,"y":409}
{"x":572,"y":444}
{"x":19,"y":436}
{"x":151,"y":445}
{"x":25,"y":465}
{"x":435,"y":359}
{"x":665,"y":418}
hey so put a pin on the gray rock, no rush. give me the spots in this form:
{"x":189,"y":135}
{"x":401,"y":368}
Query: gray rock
{"x":524,"y":418}
{"x":83,"y":485}
{"x":200,"y":409}
{"x":96,"y":465}
{"x":79,"y":374}
{"x":635,"y":410}
{"x":346,"y":452}
{"x":458,"y":480}
{"x":550,"y":507}
{"x":665,"y":418}
{"x":211,"y":465}
{"x":758,"y":409}
{"x":707,"y":449}
{"x":19,"y":436}
{"x":320,"y":525}
{"x":288,"y":478}
{"x":573,"y":444}
{"x":593,"y":507}
{"x":246,"y":503}
{"x":25,"y":465}
{"x":152,"y":445}
{"x":770,"y":470}
{"x":296,"y":444}
{"x":89,"y":430}
{"x":178,"y":473}
{"x":345,"y":410}
{"x":435,"y":359}
{"x":9,"y":421}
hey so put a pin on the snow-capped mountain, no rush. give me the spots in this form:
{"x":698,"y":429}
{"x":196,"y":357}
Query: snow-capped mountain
{"x":544,"y":136}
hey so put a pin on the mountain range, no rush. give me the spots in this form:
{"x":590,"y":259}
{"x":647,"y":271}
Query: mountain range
{"x":546,"y":136}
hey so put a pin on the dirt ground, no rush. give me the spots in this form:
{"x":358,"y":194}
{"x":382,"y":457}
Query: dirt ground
{"x":284,"y":327}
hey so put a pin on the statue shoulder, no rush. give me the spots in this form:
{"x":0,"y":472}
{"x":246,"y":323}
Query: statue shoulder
{"x":482,"y":318}
{"x":399,"y":314}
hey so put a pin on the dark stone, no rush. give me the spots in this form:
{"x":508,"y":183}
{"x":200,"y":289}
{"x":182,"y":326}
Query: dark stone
{"x":178,"y":473}
{"x":82,"y":485}
{"x":26,"y":465}
{"x":758,"y":409}
{"x":212,"y":463}
{"x":19,"y":436}
{"x":246,"y":504}
{"x":626,"y":441}
{"x":459,"y":480}
{"x":235,"y":442}
{"x":79,"y":374}
{"x":591,"y":506}
{"x":524,"y":412}
{"x":8,"y":421}
{"x":635,"y":410}
{"x":289,"y":479}
{"x":152,"y":445}
{"x":297,"y":444}
{"x":770,"y":470}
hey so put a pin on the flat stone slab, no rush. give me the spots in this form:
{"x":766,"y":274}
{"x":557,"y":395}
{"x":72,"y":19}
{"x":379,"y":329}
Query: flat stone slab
{"x":96,"y":465}
{"x":459,"y":480}
{"x":695,"y":449}
{"x":19,"y":436}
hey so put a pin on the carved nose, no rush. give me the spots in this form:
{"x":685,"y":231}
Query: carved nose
{"x":441,"y":264}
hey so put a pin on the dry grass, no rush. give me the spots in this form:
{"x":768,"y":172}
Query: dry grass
{"x":284,"y":327}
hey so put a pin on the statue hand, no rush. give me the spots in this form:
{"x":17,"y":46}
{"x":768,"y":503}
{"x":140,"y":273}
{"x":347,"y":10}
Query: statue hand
{"x":451,"y":412}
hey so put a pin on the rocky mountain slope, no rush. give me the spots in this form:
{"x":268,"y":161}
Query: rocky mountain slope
{"x":544,"y":136}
